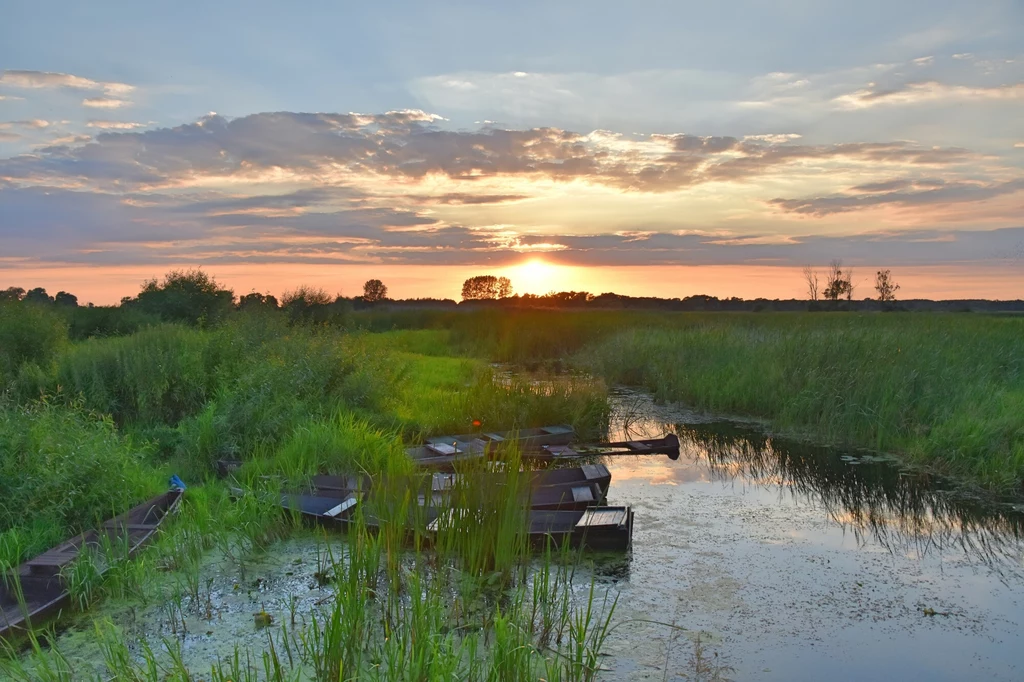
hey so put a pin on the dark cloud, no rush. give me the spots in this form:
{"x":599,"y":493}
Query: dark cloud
{"x":82,"y":227}
{"x":409,"y":145}
{"x":464,"y":198}
{"x":899,"y":193}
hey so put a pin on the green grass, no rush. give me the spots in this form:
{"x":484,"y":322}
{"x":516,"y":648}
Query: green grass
{"x":122,"y":412}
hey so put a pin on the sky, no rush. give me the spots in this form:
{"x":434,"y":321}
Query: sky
{"x":648,"y":148}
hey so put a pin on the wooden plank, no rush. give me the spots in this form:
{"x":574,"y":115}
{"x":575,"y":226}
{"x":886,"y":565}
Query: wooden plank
{"x":442,"y":448}
{"x":343,"y":507}
{"x":601,"y":517}
{"x":592,"y":471}
{"x":582,"y":493}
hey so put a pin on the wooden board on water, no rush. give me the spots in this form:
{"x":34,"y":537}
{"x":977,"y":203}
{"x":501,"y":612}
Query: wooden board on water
{"x":602,"y":517}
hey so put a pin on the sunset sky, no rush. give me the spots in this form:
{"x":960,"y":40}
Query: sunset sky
{"x":649,"y":148}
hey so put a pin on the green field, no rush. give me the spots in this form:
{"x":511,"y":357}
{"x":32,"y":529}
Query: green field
{"x":97,"y":421}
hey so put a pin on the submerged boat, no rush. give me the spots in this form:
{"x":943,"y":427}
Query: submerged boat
{"x":594,"y":528}
{"x":36,"y":591}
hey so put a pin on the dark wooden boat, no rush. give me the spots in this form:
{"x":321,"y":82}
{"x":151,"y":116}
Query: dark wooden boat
{"x":443,"y":452}
{"x":667,"y":445}
{"x":36,"y":592}
{"x":596,"y":528}
{"x":570,"y":488}
{"x":600,"y":529}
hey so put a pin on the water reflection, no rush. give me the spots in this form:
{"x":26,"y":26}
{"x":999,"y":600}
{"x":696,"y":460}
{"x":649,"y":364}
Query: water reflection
{"x":906,"y":512}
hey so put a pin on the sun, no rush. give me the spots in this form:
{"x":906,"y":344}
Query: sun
{"x":535,"y":272}
{"x":537,"y":276}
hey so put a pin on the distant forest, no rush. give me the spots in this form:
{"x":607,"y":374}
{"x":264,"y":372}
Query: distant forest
{"x":194,"y":296}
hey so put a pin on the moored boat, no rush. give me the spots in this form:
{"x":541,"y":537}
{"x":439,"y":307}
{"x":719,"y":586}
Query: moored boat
{"x":36,"y":592}
{"x":568,"y":488}
{"x":594,"y":528}
{"x":443,"y":452}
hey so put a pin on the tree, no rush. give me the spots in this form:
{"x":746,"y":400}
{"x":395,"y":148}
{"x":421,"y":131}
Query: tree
{"x":190,"y":296}
{"x":811,"y":278}
{"x":64,"y":298}
{"x":374,"y":290}
{"x":886,"y":286}
{"x":481,"y":287}
{"x":504,"y":287}
{"x":12,"y":294}
{"x":306,"y":303}
{"x":257,"y":300}
{"x":37,"y":295}
{"x":839,"y":282}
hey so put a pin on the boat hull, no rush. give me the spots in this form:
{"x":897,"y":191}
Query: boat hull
{"x":36,"y":593}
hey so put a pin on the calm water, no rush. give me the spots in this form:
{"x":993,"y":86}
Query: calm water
{"x":799,"y":562}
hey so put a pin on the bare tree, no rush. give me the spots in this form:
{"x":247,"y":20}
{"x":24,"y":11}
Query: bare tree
{"x":811,"y":278}
{"x":886,"y":286}
{"x":374,"y":290}
{"x":839,"y":282}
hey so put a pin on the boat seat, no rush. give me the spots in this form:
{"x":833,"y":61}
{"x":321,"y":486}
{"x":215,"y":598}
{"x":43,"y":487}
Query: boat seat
{"x":442,"y":448}
{"x":129,"y":526}
{"x":602,"y":517}
{"x":52,"y":562}
{"x":582,"y":493}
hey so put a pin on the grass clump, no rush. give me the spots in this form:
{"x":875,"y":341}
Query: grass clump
{"x":61,"y":471}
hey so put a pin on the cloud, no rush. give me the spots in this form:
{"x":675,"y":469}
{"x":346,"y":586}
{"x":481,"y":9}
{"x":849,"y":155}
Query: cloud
{"x":410,"y":147}
{"x":403,"y":187}
{"x":9,"y":137}
{"x":466,"y":198}
{"x":115,"y":125}
{"x":104,"y":102}
{"x":64,"y":140}
{"x":928,"y":91}
{"x":902,"y":193}
{"x":46,"y":79}
{"x":37,"y":123}
{"x":98,"y":228}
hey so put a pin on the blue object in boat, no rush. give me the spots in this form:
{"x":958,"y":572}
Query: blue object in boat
{"x":176,"y":482}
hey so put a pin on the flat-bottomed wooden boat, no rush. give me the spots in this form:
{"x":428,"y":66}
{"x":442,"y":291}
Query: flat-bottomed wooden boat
{"x":36,"y":591}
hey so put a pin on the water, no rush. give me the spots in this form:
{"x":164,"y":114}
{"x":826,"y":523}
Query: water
{"x":798,"y":562}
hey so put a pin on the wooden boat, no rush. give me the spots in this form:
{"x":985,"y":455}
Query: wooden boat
{"x":596,"y":528}
{"x":446,"y":457}
{"x":667,"y":445}
{"x":546,"y":485}
{"x":443,"y":452}
{"x":36,"y":591}
{"x":600,"y":529}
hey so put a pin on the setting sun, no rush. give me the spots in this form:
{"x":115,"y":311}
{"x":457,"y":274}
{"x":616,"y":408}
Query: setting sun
{"x":537,"y":276}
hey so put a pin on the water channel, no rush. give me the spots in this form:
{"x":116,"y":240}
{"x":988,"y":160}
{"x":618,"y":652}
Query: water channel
{"x":801,"y":562}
